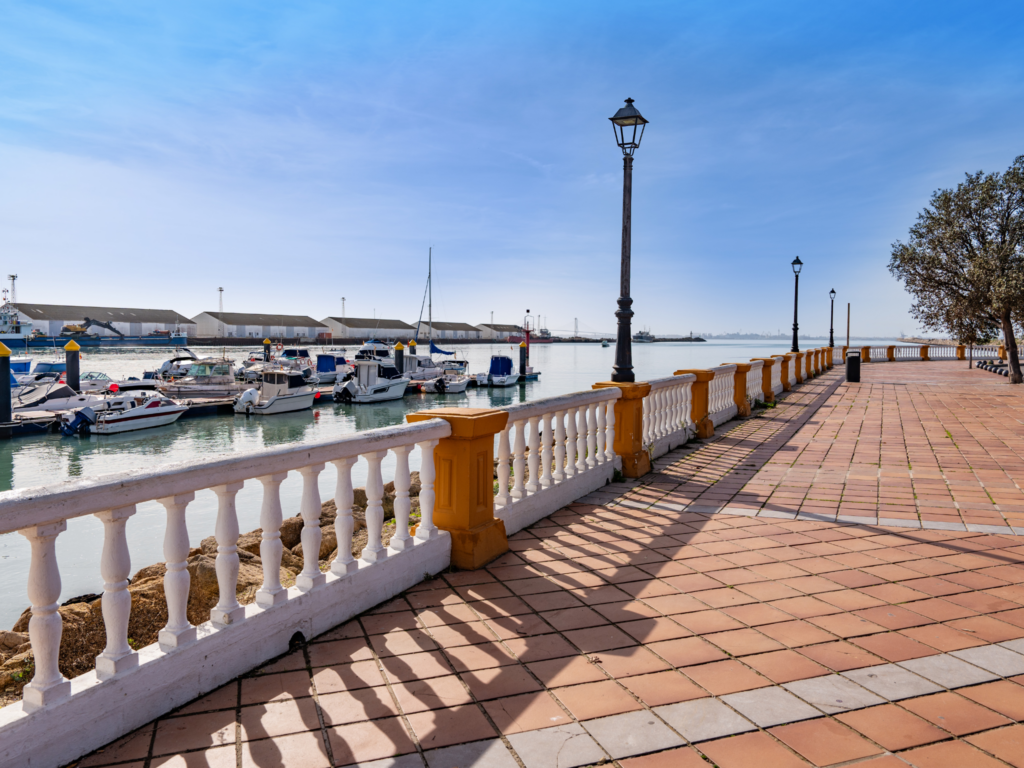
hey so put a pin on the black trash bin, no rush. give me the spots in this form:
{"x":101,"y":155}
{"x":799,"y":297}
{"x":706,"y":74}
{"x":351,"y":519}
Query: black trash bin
{"x":853,"y":366}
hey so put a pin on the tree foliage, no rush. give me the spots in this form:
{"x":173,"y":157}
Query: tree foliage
{"x":964,"y":260}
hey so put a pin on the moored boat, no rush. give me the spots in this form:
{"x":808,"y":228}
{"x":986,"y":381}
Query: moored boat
{"x":281,"y":390}
{"x":124,"y":413}
{"x":209,"y":377}
{"x":502,"y":373}
{"x":373,"y":382}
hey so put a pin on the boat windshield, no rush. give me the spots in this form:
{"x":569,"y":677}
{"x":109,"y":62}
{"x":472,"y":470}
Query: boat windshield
{"x":50,"y":368}
{"x":95,"y":376}
{"x":206,"y":369}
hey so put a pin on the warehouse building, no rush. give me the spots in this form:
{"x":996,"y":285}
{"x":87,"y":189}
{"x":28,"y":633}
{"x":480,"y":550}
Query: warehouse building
{"x":368,"y":328}
{"x":242,"y":325}
{"x":450,"y":330}
{"x":50,"y":318}
{"x":498,"y":332}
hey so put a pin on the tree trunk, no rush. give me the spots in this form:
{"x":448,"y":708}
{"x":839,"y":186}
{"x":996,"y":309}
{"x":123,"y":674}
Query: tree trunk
{"x":1010,"y":342}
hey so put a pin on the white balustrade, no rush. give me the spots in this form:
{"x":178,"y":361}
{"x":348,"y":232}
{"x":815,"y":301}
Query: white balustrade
{"x":941,"y":352}
{"x":904,"y":353}
{"x":721,"y":390}
{"x":667,"y":411}
{"x":755,"y":381}
{"x":777,"y":387}
{"x":132,"y":688}
{"x":879,"y":354}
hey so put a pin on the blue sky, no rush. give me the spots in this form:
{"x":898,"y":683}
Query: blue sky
{"x":299,"y":152}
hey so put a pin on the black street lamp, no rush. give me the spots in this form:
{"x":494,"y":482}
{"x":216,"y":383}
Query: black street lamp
{"x":625,"y":124}
{"x":832,"y":319}
{"x":797,"y":265}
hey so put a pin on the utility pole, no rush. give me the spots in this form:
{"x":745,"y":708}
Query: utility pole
{"x":430,"y":294}
{"x":847,"y":323}
{"x":221,"y":311}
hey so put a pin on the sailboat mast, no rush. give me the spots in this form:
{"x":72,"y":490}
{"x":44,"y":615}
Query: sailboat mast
{"x":430,"y":292}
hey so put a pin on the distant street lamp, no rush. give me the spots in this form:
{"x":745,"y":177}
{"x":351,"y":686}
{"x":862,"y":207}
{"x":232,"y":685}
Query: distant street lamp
{"x":797,"y":265}
{"x":624,"y":124}
{"x":832,"y":318}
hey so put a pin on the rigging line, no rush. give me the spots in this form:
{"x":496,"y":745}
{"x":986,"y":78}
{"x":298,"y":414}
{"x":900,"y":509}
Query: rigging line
{"x":422,"y":305}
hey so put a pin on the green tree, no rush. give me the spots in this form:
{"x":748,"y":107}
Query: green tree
{"x":964,"y":260}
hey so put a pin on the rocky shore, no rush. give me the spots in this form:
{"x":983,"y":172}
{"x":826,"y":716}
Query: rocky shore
{"x":84,"y":636}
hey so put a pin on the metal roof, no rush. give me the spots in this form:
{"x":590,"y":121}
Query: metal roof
{"x":371,"y":322}
{"x":501,"y":328}
{"x":63,"y":313}
{"x":241,"y":318}
{"x":439,"y":326}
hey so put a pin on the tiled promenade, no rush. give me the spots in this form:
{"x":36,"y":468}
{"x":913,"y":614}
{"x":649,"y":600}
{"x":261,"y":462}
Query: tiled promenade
{"x":741,"y":603}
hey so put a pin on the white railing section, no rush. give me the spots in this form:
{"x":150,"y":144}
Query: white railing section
{"x":903,"y":354}
{"x":552,"y":452}
{"x":755,"y":377}
{"x":129,"y":688}
{"x":986,"y":350}
{"x":777,"y":375}
{"x":668,"y":414}
{"x":721,"y":390}
{"x":779,"y":360}
{"x":941,"y":353}
{"x":879,"y":354}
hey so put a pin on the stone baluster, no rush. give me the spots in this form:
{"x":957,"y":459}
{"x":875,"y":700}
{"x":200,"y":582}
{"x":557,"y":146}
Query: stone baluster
{"x":559,"y":474}
{"x":271,"y":548}
{"x":502,"y":498}
{"x":45,"y":627}
{"x":227,"y":611}
{"x":519,"y":462}
{"x":402,"y":540}
{"x":592,"y":436}
{"x":546,"y":455}
{"x":599,"y":442}
{"x":609,"y":431}
{"x":115,"y":567}
{"x":178,"y":631}
{"x":426,"y":529}
{"x":581,"y":439}
{"x":344,"y":524}
{"x":374,"y":550}
{"x":309,"y":508}
{"x":532,"y":486}
{"x":647,"y":412}
{"x":662,"y":412}
{"x":570,"y":443}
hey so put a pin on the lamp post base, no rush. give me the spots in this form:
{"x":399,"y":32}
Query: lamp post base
{"x":622,"y":371}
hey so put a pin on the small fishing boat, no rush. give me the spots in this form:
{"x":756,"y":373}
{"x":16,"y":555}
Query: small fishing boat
{"x":501,"y":372}
{"x":449,"y":384}
{"x":331,"y":365}
{"x":375,"y":350}
{"x":604,"y":343}
{"x":373,"y":382}
{"x":124,"y":413}
{"x":209,"y":377}
{"x":281,"y":390}
{"x":44,"y":370}
{"x":643,"y":337}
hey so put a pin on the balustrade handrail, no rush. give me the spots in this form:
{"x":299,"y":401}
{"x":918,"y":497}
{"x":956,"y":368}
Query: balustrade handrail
{"x":520,"y":411}
{"x":723,"y":369}
{"x":670,"y":381}
{"x":27,"y":507}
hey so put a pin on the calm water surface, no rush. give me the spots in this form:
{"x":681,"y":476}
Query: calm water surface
{"x":36,"y":461}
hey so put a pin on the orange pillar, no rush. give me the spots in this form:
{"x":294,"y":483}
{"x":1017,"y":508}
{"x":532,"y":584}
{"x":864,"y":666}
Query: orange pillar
{"x":786,"y":363}
{"x":924,"y":353}
{"x":890,"y":352}
{"x":830,"y":363}
{"x":699,"y":400}
{"x":464,"y":484}
{"x":739,"y":395}
{"x":767,"y":395}
{"x":629,"y":426}
{"x":844,"y":354}
{"x":798,"y":361}
{"x":961,"y":352}
{"x":1002,"y":351}
{"x":865,"y":354}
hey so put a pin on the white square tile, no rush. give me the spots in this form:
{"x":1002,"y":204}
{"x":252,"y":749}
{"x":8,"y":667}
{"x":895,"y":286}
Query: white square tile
{"x":832,"y":694}
{"x":892,"y":682}
{"x":770,"y":706}
{"x":565,"y":746}
{"x":633,"y":733}
{"x":1001,"y":661}
{"x":948,"y":671}
{"x":703,"y":719}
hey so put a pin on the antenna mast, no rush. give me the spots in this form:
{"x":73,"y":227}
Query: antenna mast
{"x":430,"y":292}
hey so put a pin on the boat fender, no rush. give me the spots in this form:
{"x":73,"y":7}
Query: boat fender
{"x":280,"y":347}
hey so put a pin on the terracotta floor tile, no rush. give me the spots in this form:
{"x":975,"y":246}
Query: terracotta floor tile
{"x":654,"y":630}
{"x":757,"y":615}
{"x":354,"y":706}
{"x":893,"y":646}
{"x":785,"y":666}
{"x":225,"y":697}
{"x":286,"y":685}
{"x":627,"y":611}
{"x":347,"y":677}
{"x":805,"y":607}
{"x":133,"y":746}
{"x":381,"y":623}
{"x":846,"y":625}
{"x":723,"y":677}
{"x":446,"y":614}
{"x":989,"y":629}
{"x":601,"y":638}
{"x":339,"y":652}
{"x":825,"y":741}
{"x":415,"y":666}
{"x":468,"y":633}
{"x":675,"y":604}
{"x":626,"y":662}
{"x":598,"y":699}
{"x":540,"y":647}
{"x":1005,"y":743}
{"x":892,"y":727}
{"x":893,"y":617}
{"x":840,"y":656}
{"x":704,"y":622}
{"x":211,"y":729}
{"x":954,"y":713}
{"x":683,"y":757}
{"x":794,"y":634}
{"x":296,"y":660}
{"x":661,"y":688}
{"x":467,"y":657}
{"x":942,"y":638}
{"x":528,"y":712}
{"x":743,"y":642}
{"x":750,"y":749}
{"x":298,"y":750}
{"x":954,"y":754}
{"x":1004,"y":696}
{"x":500,"y":682}
{"x":279,"y":718}
{"x":375,"y":739}
{"x":941,"y":610}
{"x":687,"y":651}
{"x":573,"y":618}
{"x":435,"y":693}
{"x":570,"y":670}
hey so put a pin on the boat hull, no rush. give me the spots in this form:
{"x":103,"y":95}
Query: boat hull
{"x":113,"y":424}
{"x":503,"y":381}
{"x":104,"y":341}
{"x":281,"y":404}
{"x":378,"y":393}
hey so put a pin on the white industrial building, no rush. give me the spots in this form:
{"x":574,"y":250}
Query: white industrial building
{"x":50,"y":318}
{"x":368,"y":328}
{"x":449,"y":330}
{"x":254,"y":326}
{"x":498,"y":332}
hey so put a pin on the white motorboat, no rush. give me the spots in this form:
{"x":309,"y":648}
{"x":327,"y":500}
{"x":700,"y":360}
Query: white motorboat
{"x":643,"y":337}
{"x":50,"y":396}
{"x":124,"y":413}
{"x":174,"y":368}
{"x":480,"y":379}
{"x":502,"y":373}
{"x":44,"y":371}
{"x":604,"y":343}
{"x":209,"y":377}
{"x":332,"y":365}
{"x":373,"y":382}
{"x":449,"y":384}
{"x":375,"y":350}
{"x":281,"y":391}
{"x":94,"y":381}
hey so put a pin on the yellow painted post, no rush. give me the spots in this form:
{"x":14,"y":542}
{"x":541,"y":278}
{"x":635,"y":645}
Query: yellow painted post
{"x":961,"y":352}
{"x":865,"y":354}
{"x":924,"y":352}
{"x":767,"y":395}
{"x":464,"y":484}
{"x":844,"y":354}
{"x":798,"y":363}
{"x":830,"y":363}
{"x":1002,"y":351}
{"x":787,"y":361}
{"x":739,"y":393}
{"x":629,"y":426}
{"x":890,"y":353}
{"x":817,"y":362}
{"x":699,"y":401}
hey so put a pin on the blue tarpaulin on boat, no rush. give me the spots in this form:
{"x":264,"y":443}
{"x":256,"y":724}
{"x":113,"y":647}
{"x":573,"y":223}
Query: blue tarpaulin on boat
{"x":326,"y":364}
{"x":501,"y":366}
{"x":436,"y":350}
{"x":14,"y":381}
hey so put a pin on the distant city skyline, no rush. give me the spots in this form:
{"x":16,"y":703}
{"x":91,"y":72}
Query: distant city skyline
{"x":298,"y":153}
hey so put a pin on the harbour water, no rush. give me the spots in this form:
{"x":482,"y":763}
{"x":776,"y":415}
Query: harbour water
{"x":48,"y":459}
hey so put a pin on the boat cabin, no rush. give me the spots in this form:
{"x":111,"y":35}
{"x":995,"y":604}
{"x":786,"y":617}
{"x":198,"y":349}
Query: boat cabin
{"x":501,"y":365}
{"x":277,"y":383}
{"x":373,"y":350}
